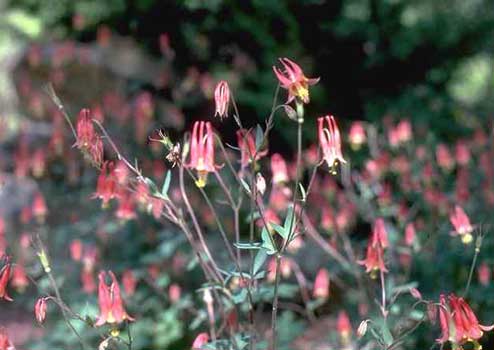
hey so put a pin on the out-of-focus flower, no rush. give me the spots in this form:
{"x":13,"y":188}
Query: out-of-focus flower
{"x":462,"y":153}
{"x":4,"y":280}
{"x":19,"y":278}
{"x":174,"y":293}
{"x":76,"y":250}
{"x":221,"y":99}
{"x":444,"y":158}
{"x":357,"y":135}
{"x":279,"y":169}
{"x":247,"y":145}
{"x":321,"y":284}
{"x":106,"y":187}
{"x":379,"y":234}
{"x":40,"y":310}
{"x":202,"y":151}
{"x":39,"y":208}
{"x":110,"y":302}
{"x":374,"y":260}
{"x":129,"y":282}
{"x":5,"y":343}
{"x":458,"y":322}
{"x":201,"y":340}
{"x":484,"y":274}
{"x":88,"y":141}
{"x":126,"y":208}
{"x":330,"y":141}
{"x":461,"y":224}
{"x":344,"y":326}
{"x":410,"y":234}
{"x":294,"y":80}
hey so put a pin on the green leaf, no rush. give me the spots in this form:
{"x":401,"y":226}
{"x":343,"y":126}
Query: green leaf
{"x":386,"y":333}
{"x":259,"y":260}
{"x":289,"y":222}
{"x":166,"y":185}
{"x":248,"y":246}
{"x":240,"y":297}
{"x":267,"y":242}
{"x":279,"y":229}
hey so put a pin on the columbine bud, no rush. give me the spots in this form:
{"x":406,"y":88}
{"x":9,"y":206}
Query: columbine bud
{"x":40,"y":310}
{"x":222,"y":99}
{"x":415,"y":293}
{"x":260,"y":183}
{"x":362,"y":328}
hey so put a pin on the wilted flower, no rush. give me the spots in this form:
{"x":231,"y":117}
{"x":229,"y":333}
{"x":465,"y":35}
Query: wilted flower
{"x":330,"y":141}
{"x":40,"y":310}
{"x":321,"y":284}
{"x":110,"y":302}
{"x":221,"y":99}
{"x":294,"y":80}
{"x":461,"y":224}
{"x":202,"y":151}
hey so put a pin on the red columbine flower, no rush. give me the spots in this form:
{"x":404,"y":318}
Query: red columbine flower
{"x":344,"y":326}
{"x":40,"y":310}
{"x":39,"y":208}
{"x":294,"y":80}
{"x":279,"y":169}
{"x":106,"y":186}
{"x":222,"y":99}
{"x":247,"y":146}
{"x":458,"y":322}
{"x":379,"y":234}
{"x":410,"y":234}
{"x":484,"y":274}
{"x":85,"y":130}
{"x":374,"y":259}
{"x":201,"y":339}
{"x":5,"y":343}
{"x":202,"y":151}
{"x":330,"y":141}
{"x":357,"y":135}
{"x":461,"y":224}
{"x":110,"y":302}
{"x":321,"y":284}
{"x":4,"y":280}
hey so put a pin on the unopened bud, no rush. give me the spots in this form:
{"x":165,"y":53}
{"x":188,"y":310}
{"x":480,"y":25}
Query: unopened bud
{"x":43,"y":258}
{"x":260,"y":183}
{"x":362,"y":328}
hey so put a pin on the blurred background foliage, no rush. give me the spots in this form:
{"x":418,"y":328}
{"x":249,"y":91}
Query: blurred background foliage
{"x":426,"y":60}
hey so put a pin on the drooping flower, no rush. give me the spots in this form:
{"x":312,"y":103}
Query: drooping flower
{"x":202,"y":151}
{"x":5,"y":343}
{"x":357,"y":135}
{"x":106,"y":187}
{"x":129,"y":282}
{"x":321,"y":284}
{"x":374,"y":259}
{"x":40,"y":310}
{"x":85,"y":130}
{"x":330,"y":141}
{"x":294,"y":80}
{"x":461,"y":224}
{"x":201,"y":340}
{"x":126,"y":207}
{"x":458,"y":322}
{"x":344,"y":326}
{"x":221,"y":99}
{"x":484,"y":274}
{"x":279,"y":169}
{"x":410,"y":234}
{"x":110,"y":301}
{"x":4,"y":280}
{"x":379,"y":234}
{"x":76,"y":250}
{"x":39,"y":208}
